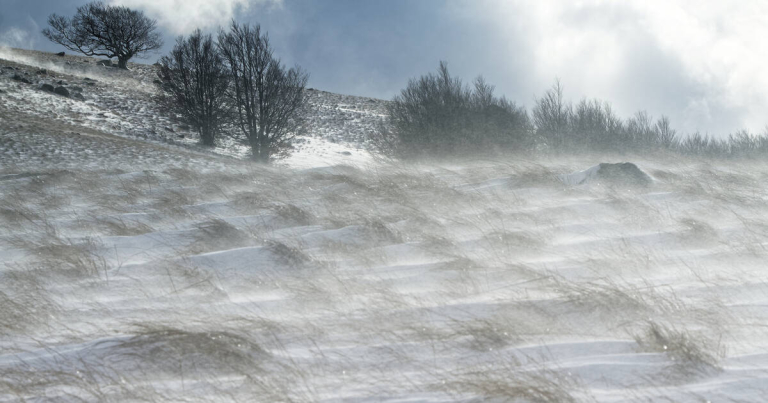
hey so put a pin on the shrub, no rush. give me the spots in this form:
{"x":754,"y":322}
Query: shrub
{"x":438,"y":115}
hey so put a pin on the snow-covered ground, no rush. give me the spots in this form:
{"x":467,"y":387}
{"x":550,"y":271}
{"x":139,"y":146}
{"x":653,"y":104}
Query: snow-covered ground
{"x":149,"y":269}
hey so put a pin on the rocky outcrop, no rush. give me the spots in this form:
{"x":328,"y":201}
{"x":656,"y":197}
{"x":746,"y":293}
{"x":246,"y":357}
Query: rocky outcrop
{"x":618,"y":174}
{"x":63,"y":91}
{"x":22,"y":79}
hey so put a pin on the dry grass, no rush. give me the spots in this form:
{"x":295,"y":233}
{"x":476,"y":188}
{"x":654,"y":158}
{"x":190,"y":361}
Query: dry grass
{"x":25,"y":302}
{"x":217,"y":234}
{"x":507,"y":381}
{"x":78,"y":257}
{"x":118,"y":226}
{"x":690,"y":352}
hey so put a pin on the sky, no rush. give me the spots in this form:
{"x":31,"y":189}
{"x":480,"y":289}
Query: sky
{"x":699,"y":62}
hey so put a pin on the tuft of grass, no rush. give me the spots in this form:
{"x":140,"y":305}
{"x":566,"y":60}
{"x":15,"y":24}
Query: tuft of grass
{"x":198,"y":353}
{"x":74,"y":257}
{"x":294,"y":214}
{"x":379,"y":233}
{"x":689,"y":352}
{"x":217,"y":234}
{"x":509,"y":382}
{"x":118,"y":226}
{"x":24,"y":301}
{"x":250,"y":201}
{"x":288,"y":256}
{"x":486,"y":335}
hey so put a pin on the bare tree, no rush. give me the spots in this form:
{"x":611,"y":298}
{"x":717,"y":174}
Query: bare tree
{"x":552,"y":115}
{"x":109,"y":31}
{"x":268,"y":96}
{"x":194,"y":80}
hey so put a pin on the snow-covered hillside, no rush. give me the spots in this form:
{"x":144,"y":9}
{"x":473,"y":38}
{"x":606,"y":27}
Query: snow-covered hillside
{"x":120,"y":102}
{"x":135,"y":266}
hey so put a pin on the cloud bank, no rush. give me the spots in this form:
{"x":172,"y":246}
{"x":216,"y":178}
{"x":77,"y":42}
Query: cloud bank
{"x":24,"y":36}
{"x":181,"y":17}
{"x":701,"y":62}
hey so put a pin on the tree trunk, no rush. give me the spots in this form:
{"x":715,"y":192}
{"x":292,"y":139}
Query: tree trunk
{"x":258,"y":153}
{"x":207,"y":137}
{"x":122,"y":63}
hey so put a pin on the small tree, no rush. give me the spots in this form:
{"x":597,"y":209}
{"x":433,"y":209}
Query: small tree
{"x":552,"y":116}
{"x":194,"y":80}
{"x":269,"y":97}
{"x":109,"y":31}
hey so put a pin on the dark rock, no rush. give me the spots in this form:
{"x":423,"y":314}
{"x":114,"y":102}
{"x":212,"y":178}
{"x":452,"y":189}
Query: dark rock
{"x":62,"y":91}
{"x":88,"y":79}
{"x":345,"y":153}
{"x":42,"y":72}
{"x":168,"y":128}
{"x":60,"y":82}
{"x":60,"y":54}
{"x":22,"y":79}
{"x":78,"y":96}
{"x":157,"y":82}
{"x":105,"y":63}
{"x":77,"y":89}
{"x":47,"y":87}
{"x":181,"y":136}
{"x":90,"y":83}
{"x":9,"y":68}
{"x":621,"y":174}
{"x":624,"y":173}
{"x":2,"y":92}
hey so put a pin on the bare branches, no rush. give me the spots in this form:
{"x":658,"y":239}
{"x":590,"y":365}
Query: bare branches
{"x":108,"y":31}
{"x":437,"y":114}
{"x":269,"y":98}
{"x":195,"y":82}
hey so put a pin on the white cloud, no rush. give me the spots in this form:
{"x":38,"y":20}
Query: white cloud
{"x":17,"y":37}
{"x":183,"y":16}
{"x":699,"y":61}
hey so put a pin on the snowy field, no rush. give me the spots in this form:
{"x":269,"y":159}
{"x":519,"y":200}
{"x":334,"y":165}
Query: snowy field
{"x":135,"y":266}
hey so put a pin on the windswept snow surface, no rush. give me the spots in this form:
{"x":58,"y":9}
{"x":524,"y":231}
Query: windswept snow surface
{"x":132,"y":269}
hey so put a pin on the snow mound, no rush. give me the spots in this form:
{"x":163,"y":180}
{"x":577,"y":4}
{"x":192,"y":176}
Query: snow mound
{"x":619,"y":174}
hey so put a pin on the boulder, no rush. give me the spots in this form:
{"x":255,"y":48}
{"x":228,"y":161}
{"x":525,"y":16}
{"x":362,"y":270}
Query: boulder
{"x":21,"y":78}
{"x":62,"y":91}
{"x":60,"y":54}
{"x":47,"y":87}
{"x":619,"y":174}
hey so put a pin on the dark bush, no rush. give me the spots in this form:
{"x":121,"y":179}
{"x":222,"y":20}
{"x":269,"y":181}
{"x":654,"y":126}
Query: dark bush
{"x":437,"y":115}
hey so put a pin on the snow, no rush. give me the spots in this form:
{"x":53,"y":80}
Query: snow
{"x":141,"y":267}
